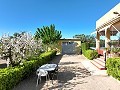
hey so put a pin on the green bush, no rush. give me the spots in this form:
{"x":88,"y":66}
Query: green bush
{"x":113,"y":67}
{"x":90,"y":54}
{"x":84,"y":46}
{"x":9,"y":77}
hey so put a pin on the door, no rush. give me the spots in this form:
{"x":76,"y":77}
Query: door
{"x":68,"y":48}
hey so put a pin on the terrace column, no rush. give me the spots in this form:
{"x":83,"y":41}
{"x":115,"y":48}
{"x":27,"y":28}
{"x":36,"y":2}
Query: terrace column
{"x":107,"y":38}
{"x":97,"y":41}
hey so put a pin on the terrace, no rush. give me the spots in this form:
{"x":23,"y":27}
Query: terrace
{"x":24,"y":54}
{"x":108,"y":25}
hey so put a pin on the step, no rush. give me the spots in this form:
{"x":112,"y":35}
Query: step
{"x":99,"y":66}
{"x":92,"y":68}
{"x":100,"y":59}
{"x":102,"y":63}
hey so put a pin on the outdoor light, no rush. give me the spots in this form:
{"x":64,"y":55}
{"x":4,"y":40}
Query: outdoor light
{"x":116,"y":13}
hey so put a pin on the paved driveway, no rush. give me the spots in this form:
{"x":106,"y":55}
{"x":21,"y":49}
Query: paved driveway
{"x":72,"y":76}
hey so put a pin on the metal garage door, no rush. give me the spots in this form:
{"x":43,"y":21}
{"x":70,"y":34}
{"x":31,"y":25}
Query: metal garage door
{"x":68,"y":48}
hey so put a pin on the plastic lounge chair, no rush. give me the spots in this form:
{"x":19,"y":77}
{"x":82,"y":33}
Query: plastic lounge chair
{"x":40,"y":74}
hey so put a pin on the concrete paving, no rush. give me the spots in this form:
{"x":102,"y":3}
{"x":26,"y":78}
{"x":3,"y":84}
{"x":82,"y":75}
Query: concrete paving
{"x":93,"y":70}
{"x":75,"y":73}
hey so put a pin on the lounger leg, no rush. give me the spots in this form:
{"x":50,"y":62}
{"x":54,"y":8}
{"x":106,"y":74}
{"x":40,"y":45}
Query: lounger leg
{"x":37,"y":81}
{"x":52,"y":77}
{"x":46,"y":81}
{"x":39,"y":78}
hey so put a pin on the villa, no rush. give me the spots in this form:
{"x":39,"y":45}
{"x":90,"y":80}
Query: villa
{"x":108,"y":25}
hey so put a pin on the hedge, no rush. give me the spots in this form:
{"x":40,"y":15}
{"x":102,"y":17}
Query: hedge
{"x":9,"y":77}
{"x":84,"y":46}
{"x":113,"y":67}
{"x":90,"y":54}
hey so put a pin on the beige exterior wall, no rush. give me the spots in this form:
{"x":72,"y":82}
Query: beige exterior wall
{"x":108,"y":16}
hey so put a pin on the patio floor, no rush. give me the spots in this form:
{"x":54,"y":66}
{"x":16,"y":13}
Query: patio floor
{"x":72,"y":75}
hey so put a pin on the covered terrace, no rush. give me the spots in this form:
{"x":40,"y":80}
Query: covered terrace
{"x":108,"y":25}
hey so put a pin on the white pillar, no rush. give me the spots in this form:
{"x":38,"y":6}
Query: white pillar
{"x":97,"y":41}
{"x":107,"y":38}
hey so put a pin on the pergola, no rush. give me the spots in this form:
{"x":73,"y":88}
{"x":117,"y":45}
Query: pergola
{"x":108,"y":25}
{"x":110,"y":28}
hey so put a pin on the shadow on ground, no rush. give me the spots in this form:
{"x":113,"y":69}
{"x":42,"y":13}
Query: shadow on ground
{"x":68,"y":63}
{"x":56,"y":59}
{"x":68,"y":77}
{"x":30,"y":82}
{"x":3,"y":65}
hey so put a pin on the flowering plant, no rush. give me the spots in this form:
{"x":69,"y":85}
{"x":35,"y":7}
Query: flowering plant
{"x":16,"y":49}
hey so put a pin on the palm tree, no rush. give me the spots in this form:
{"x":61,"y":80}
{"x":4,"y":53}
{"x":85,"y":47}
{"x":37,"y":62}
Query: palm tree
{"x":49,"y":35}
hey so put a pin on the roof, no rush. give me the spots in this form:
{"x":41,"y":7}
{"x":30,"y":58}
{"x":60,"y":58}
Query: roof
{"x":109,"y":18}
{"x":73,"y":39}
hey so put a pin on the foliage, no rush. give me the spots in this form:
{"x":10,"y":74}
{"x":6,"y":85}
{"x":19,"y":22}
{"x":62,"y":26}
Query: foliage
{"x":115,"y":49}
{"x":113,"y":67}
{"x":9,"y":77}
{"x":102,"y":43}
{"x":16,"y":34}
{"x":22,"y":45}
{"x":85,"y":38}
{"x":84,"y":46}
{"x":92,"y":44}
{"x":90,"y":54}
{"x":49,"y":35}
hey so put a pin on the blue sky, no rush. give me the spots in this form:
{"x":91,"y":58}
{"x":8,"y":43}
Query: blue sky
{"x":69,"y":16}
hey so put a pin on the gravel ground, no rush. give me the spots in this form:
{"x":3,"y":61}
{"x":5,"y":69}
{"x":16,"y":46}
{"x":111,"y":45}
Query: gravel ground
{"x":71,"y":76}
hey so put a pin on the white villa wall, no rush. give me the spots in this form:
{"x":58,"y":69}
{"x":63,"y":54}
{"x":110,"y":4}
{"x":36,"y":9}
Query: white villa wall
{"x":108,"y":16}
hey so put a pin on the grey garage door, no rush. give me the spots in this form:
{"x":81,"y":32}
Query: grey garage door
{"x":68,"y":48}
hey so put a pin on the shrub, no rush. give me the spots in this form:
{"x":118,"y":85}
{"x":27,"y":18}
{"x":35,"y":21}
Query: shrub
{"x":90,"y":54}
{"x":9,"y":77}
{"x":85,"y":46}
{"x":113,"y":67}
